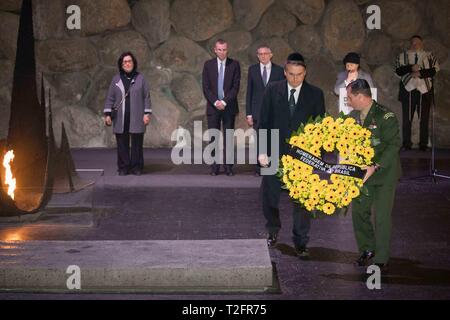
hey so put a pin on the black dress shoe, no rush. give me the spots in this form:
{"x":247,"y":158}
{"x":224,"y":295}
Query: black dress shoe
{"x":137,"y":172}
{"x":302,"y":253}
{"x":123,"y":173}
{"x":423,"y":148}
{"x":230,"y":173}
{"x":214,"y":173}
{"x":272,"y":240}
{"x":405,"y":148}
{"x":363,"y":260}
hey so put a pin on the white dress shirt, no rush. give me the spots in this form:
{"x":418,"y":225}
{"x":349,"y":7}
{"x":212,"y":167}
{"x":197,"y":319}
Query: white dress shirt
{"x":296,"y":93}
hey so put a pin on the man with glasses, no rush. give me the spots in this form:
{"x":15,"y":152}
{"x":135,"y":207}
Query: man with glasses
{"x":127,"y":109}
{"x":259,"y":76}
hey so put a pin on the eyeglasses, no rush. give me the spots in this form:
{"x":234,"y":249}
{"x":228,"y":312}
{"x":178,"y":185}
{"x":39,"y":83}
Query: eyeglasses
{"x":264,"y":53}
{"x":127,"y":61}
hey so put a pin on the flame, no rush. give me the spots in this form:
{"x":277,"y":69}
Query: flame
{"x":9,"y":179}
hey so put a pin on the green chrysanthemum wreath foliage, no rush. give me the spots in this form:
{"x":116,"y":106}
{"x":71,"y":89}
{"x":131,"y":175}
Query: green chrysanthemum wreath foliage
{"x":342,"y":135}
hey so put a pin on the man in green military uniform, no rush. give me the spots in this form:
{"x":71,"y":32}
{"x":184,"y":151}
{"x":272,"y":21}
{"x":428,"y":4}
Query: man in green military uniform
{"x":381,"y":178}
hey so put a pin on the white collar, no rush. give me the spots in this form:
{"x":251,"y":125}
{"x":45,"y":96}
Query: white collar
{"x":297,"y":89}
{"x":268,"y":66}
{"x":220,"y":61}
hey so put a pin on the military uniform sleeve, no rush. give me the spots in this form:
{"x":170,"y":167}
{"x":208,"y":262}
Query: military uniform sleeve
{"x":390,"y":136}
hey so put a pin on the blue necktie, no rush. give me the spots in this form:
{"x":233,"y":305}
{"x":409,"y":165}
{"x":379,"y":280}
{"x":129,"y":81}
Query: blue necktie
{"x":264,"y":76}
{"x":220,"y":83}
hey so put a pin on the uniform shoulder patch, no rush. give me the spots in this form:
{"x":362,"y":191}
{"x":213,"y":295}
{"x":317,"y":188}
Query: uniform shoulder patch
{"x":382,"y":108}
{"x":389,"y":115}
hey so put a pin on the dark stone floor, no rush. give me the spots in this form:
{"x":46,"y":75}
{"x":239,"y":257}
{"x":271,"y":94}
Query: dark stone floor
{"x":184,"y":202}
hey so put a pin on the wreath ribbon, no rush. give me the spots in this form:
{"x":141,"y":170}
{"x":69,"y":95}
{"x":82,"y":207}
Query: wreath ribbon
{"x":317,"y":163}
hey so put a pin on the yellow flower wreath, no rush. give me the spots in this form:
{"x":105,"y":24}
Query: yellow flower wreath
{"x":343,"y":135}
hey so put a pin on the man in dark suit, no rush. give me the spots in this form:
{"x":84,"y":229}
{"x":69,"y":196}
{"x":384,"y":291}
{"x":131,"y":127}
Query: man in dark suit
{"x":259,"y":76}
{"x":221,"y":80}
{"x":286,"y":104}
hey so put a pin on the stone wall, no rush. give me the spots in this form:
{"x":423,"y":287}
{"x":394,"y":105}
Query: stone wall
{"x":173,"y":38}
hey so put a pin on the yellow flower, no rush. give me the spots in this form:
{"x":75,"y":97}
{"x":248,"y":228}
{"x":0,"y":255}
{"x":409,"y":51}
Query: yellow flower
{"x":332,"y":136}
{"x":314,"y":198}
{"x":294,"y":194}
{"x":316,"y":188}
{"x":353,"y":192}
{"x":346,"y":200}
{"x":309,"y":128}
{"x":302,"y":186}
{"x":293,"y":175}
{"x":369,"y":153}
{"x":315,"y":151}
{"x":307,"y":168}
{"x":354,"y":134}
{"x":328,"y":208}
{"x":340,"y":191}
{"x":317,"y":135}
{"x":294,"y":140}
{"x":328,"y":146}
{"x":349,"y":122}
{"x":331,"y":197}
{"x":301,"y":142}
{"x":309,"y":205}
{"x":366,"y":133}
{"x":328,"y":121}
{"x":314,"y":178}
{"x":316,"y":142}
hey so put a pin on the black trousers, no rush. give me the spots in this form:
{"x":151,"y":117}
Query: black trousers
{"x":126,"y":160}
{"x":411,"y":104}
{"x":215,"y":121}
{"x":271,"y":189}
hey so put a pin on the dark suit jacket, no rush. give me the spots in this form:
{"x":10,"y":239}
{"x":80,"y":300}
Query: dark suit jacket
{"x":275,"y":112}
{"x":231,"y":83}
{"x":255,"y":88}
